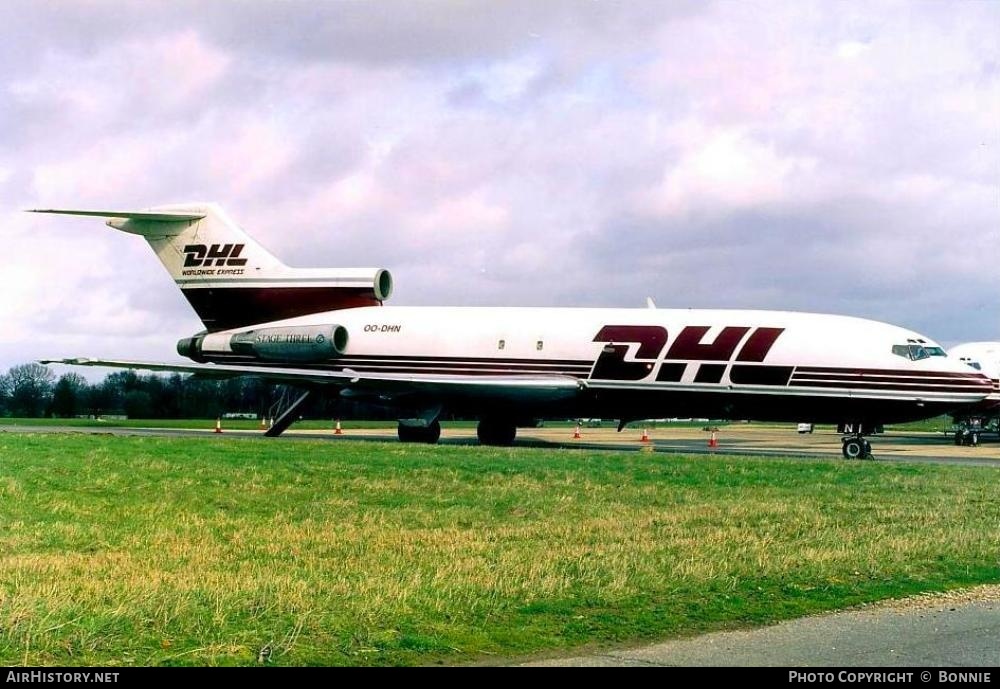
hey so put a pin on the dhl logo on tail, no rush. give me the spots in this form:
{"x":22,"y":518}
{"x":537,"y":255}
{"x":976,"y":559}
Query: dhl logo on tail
{"x":199,"y":255}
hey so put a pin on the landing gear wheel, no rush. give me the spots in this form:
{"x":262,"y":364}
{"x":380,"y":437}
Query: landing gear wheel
{"x":428,"y":435}
{"x":494,"y":432}
{"x":854,"y":448}
{"x":967,"y":437}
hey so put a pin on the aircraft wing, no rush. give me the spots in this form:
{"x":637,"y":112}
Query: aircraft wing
{"x":535,"y":388}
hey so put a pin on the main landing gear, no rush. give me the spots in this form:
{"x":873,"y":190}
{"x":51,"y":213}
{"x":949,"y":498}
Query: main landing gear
{"x":496,"y":432}
{"x":490,"y":431}
{"x":856,"y":447}
{"x":428,"y":434}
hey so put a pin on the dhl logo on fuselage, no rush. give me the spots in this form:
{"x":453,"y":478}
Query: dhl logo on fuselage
{"x":199,"y":255}
{"x":687,"y":346}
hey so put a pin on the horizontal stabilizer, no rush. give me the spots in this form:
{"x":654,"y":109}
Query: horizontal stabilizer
{"x":151,"y":216}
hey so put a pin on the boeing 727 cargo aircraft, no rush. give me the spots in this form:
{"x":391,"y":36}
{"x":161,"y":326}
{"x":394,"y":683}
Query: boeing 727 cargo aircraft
{"x":509,"y":366}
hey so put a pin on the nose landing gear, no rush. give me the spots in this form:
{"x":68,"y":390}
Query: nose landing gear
{"x":854,"y":444}
{"x":856,"y":447}
{"x":967,"y":436}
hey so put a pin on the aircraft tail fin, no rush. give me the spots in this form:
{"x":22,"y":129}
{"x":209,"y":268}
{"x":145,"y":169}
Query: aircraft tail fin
{"x":228,"y":278}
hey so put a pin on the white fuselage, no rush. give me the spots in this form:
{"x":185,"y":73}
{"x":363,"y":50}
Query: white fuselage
{"x":660,"y":362}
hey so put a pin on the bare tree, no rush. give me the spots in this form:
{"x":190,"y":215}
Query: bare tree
{"x":30,"y":389}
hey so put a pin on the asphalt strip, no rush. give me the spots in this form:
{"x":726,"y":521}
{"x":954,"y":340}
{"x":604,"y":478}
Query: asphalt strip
{"x":954,"y":629}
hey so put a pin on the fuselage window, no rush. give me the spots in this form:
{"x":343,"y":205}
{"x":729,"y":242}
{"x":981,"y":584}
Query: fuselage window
{"x":901,"y":350}
{"x":917,"y":352}
{"x":501,"y":344}
{"x":539,"y":345}
{"x":934,"y":351}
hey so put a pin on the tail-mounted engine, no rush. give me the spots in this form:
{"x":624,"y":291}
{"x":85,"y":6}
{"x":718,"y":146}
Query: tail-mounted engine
{"x":306,"y":344}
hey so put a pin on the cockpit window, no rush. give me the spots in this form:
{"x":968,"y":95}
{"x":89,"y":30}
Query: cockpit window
{"x":916,"y":352}
{"x":969,"y":362}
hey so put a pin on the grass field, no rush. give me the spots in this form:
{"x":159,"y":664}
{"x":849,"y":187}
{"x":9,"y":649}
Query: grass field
{"x":138,"y":550}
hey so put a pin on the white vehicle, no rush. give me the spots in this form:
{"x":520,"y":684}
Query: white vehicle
{"x":974,"y":422}
{"x":508,"y":366}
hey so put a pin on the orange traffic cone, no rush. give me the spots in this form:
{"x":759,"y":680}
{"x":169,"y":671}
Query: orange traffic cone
{"x":576,"y":432}
{"x":218,"y":424}
{"x":712,"y":442}
{"x":336,"y":430}
{"x":645,"y":436}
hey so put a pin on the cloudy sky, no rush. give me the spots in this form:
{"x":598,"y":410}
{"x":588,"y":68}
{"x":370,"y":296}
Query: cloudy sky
{"x":840,"y":157}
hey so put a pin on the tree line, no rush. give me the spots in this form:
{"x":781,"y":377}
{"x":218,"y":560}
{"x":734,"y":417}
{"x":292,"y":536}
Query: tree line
{"x":32,"y":390}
